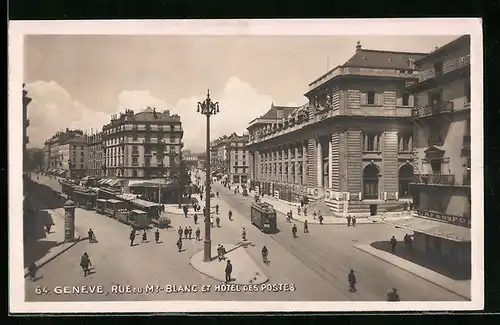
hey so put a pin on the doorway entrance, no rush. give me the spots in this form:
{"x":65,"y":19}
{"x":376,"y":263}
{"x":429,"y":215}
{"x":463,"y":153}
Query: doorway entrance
{"x":373,"y":209}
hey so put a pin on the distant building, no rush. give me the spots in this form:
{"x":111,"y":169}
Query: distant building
{"x":66,"y":154}
{"x":441,"y":188}
{"x":229,"y":158}
{"x":190,"y":158}
{"x":141,"y":145}
{"x":349,"y":145}
{"x":96,"y":154}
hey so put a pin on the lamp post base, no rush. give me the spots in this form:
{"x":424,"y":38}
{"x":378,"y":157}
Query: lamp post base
{"x":207,"y":251}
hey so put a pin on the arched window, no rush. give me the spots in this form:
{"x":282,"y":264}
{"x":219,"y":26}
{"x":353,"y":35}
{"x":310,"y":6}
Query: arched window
{"x":405,"y":178}
{"x":370,"y":182}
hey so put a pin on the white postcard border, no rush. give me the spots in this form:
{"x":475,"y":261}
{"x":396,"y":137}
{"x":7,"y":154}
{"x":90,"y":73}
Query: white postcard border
{"x":424,"y":26}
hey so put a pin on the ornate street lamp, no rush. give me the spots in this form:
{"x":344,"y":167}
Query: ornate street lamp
{"x":208,"y":108}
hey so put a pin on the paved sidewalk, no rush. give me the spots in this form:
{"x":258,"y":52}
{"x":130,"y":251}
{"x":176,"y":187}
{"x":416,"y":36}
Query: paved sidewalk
{"x":461,"y":288}
{"x":174,"y":208}
{"x":245,"y":270}
{"x":54,"y":241}
{"x":283,"y":208}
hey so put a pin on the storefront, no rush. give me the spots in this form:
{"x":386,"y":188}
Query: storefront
{"x":440,"y":237}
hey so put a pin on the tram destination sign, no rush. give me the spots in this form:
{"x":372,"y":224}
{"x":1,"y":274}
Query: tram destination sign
{"x":454,"y":220}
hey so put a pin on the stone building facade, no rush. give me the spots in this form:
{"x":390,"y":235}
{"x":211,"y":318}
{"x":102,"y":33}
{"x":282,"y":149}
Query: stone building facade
{"x":96,"y":154}
{"x":230,"y":158}
{"x":350,"y":145}
{"x":441,"y":189}
{"x":141,"y":145}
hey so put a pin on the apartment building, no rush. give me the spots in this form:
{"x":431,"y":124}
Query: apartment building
{"x":441,"y":188}
{"x":95,"y":155}
{"x":143,"y":145}
{"x":66,"y":154}
{"x":350,"y":144}
{"x":230,"y":157}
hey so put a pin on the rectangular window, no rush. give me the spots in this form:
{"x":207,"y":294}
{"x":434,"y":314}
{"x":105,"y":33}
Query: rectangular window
{"x":406,"y":99}
{"x":82,"y":147}
{"x":371,"y":97}
{"x":81,"y":166}
{"x":436,"y":166}
{"x":467,"y":91}
{"x":147,"y":162}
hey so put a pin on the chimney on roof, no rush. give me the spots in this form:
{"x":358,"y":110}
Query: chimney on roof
{"x":358,"y":46}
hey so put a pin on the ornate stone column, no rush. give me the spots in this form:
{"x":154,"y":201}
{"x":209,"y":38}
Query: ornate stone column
{"x":69,"y":221}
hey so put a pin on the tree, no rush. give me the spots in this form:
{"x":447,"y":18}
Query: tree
{"x":179,"y":176}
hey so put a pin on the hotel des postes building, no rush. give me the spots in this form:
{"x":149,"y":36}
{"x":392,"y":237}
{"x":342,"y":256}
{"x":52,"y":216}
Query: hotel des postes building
{"x":350,"y":145}
{"x":230,"y":158}
{"x":441,"y":189}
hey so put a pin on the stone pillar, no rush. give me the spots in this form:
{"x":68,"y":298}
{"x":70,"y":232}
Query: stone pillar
{"x":400,"y":143}
{"x":289,"y":163}
{"x":365,"y":142}
{"x":410,"y":143}
{"x":297,"y":160}
{"x":304,"y":164}
{"x":330,"y":161}
{"x":319,"y":163}
{"x":69,"y":221}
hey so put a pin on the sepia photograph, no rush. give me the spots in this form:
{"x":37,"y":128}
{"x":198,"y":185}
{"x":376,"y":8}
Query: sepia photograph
{"x":246,"y":165}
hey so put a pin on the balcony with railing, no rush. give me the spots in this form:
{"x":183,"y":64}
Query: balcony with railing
{"x":432,"y":110}
{"x":448,"y":66}
{"x":434,"y":179}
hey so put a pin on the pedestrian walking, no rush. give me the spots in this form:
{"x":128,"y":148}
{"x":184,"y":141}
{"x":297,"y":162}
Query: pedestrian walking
{"x":179,"y":243}
{"x":394,"y":242}
{"x":179,"y":231}
{"x":294,"y":231}
{"x":351,"y":278}
{"x":219,"y":252}
{"x":353,"y":220}
{"x":305,"y":211}
{"x":298,"y":210}
{"x":47,"y":227}
{"x":306,"y":227}
{"x":217,"y":221}
{"x":314,"y":215}
{"x":91,"y":235}
{"x":217,"y":193}
{"x":85,"y":263}
{"x":320,"y":218}
{"x":244,"y":234}
{"x":228,"y":270}
{"x":216,"y":209}
{"x":144,"y":237}
{"x":198,"y":233}
{"x":212,"y":222}
{"x":132,"y":237}
{"x":195,"y":218}
{"x":190,"y":232}
{"x":201,"y":196}
{"x":157,"y":236}
{"x":393,"y":295}
{"x":32,"y":269}
{"x":186,"y":232}
{"x":230,"y":214}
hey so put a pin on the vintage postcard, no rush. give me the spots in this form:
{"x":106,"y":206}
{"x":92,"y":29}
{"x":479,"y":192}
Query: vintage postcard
{"x":245,"y":166}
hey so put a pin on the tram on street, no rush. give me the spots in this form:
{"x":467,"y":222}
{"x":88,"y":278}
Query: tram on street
{"x":113,"y":206}
{"x":100,"y":206}
{"x":139,"y":219}
{"x":84,"y":199}
{"x":263,"y":216}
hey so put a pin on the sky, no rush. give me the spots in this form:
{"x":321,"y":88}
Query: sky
{"x":78,"y":81}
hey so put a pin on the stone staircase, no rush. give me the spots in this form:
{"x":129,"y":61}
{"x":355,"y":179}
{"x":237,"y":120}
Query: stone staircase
{"x":319,"y":205}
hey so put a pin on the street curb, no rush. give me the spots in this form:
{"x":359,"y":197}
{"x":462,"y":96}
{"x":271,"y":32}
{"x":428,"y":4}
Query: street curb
{"x":359,"y":247}
{"x":47,"y":260}
{"x":218,"y":280}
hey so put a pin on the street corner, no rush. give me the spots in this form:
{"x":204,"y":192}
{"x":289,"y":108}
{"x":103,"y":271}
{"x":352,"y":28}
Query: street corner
{"x":245,"y":269}
{"x":53,"y":253}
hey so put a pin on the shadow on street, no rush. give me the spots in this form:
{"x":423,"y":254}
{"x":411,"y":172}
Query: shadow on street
{"x":35,"y":250}
{"x":437,"y":265}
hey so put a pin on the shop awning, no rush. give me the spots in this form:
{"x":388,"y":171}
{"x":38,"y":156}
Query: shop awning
{"x":144,"y":203}
{"x":86,"y":178}
{"x":61,"y":172}
{"x":101,"y":181}
{"x":113,"y":182}
{"x":433,"y":228}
